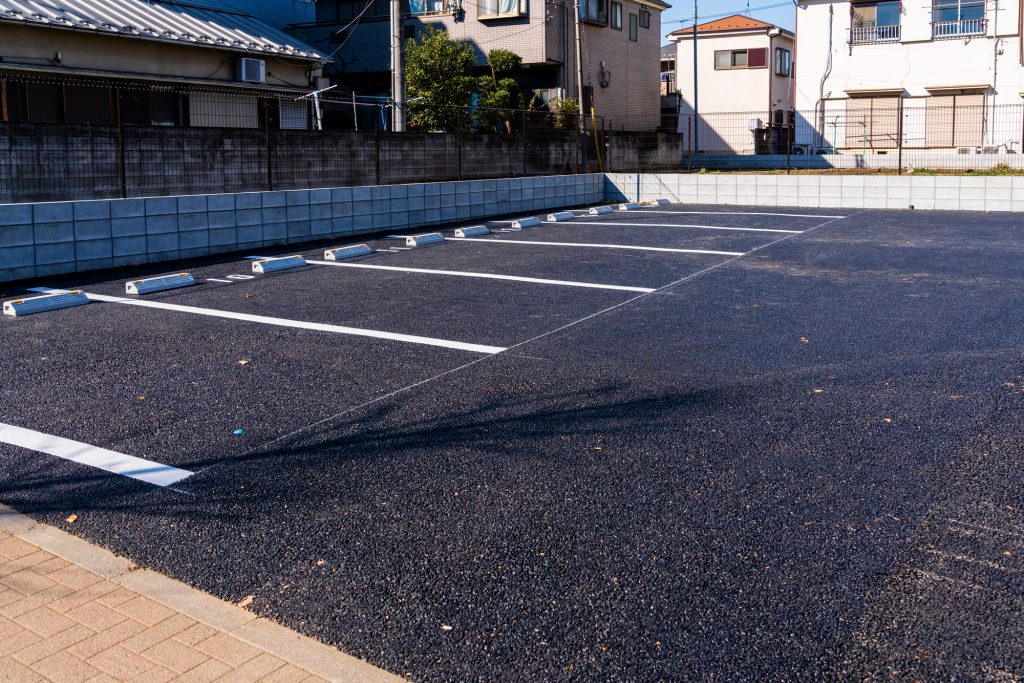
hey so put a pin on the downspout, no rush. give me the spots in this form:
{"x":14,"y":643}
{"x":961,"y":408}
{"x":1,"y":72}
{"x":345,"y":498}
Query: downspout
{"x":995,"y":72}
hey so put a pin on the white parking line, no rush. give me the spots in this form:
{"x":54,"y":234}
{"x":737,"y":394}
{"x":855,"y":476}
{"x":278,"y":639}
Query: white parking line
{"x":76,"y":451}
{"x":686,"y":225}
{"x":740,"y":213}
{"x":487,"y":276}
{"x":284,"y":322}
{"x":600,"y":246}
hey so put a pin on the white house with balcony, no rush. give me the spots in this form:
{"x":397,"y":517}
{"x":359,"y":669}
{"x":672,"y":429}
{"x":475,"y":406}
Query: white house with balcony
{"x":937,"y":75}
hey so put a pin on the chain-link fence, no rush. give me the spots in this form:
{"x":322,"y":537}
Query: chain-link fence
{"x":954,"y":133}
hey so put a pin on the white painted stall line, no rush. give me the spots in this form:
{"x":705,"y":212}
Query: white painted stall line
{"x":687,"y":225}
{"x":101,"y":458}
{"x":297,"y":324}
{"x":740,"y":213}
{"x":600,"y":246}
{"x":487,"y":276}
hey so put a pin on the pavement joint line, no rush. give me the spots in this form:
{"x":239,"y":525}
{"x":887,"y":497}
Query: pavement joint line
{"x":600,"y":246}
{"x":315,"y":657}
{"x":486,"y":276}
{"x":689,"y":225}
{"x":739,"y":213}
{"x":514,"y":347}
{"x":86,"y":454}
{"x":285,"y":322}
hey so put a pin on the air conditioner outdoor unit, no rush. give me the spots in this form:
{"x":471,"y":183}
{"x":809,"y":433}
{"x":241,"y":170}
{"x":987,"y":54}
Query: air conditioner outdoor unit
{"x":250,"y":70}
{"x":754,"y":124}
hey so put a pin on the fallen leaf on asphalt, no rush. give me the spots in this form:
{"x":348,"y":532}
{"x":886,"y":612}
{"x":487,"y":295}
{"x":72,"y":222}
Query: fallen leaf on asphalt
{"x":817,"y":391}
{"x":243,"y":362}
{"x":246,"y":601}
{"x":71,"y":518}
{"x":804,"y":340}
{"x":321,"y":563}
{"x":446,"y":627}
{"x":887,"y":420}
{"x":956,"y":397}
{"x":140,"y":398}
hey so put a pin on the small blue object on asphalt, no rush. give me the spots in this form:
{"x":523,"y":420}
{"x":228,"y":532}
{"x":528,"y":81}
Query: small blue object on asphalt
{"x":238,"y":432}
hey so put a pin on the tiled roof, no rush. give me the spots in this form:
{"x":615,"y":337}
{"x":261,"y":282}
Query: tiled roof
{"x":736,"y":22}
{"x":160,"y":21}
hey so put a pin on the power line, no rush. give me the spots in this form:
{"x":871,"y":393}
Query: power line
{"x":730,"y":13}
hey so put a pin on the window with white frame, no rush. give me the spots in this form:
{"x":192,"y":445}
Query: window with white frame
{"x":502,"y":9}
{"x":616,"y":15}
{"x":875,"y":22}
{"x":955,"y":18}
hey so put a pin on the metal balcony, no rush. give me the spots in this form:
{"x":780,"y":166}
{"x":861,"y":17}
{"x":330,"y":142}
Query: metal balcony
{"x":867,"y":35}
{"x":960,"y":28}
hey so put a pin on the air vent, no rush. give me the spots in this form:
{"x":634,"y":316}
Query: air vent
{"x":251,"y":70}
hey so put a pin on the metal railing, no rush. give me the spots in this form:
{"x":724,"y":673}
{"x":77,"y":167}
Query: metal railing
{"x":866,"y":35}
{"x":959,"y":28}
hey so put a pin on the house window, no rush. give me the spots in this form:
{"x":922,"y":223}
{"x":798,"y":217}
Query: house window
{"x":421,"y":8}
{"x":502,"y":9}
{"x":875,"y":22}
{"x":783,"y":65}
{"x":594,"y":11}
{"x":645,"y":19}
{"x":632,"y":27}
{"x":954,"y":18}
{"x":338,"y":11}
{"x":753,"y":58}
{"x":617,"y":16}
{"x":872,"y":122}
{"x":954,"y":121}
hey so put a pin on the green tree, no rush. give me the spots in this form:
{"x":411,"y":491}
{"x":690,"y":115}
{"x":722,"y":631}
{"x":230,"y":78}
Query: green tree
{"x":438,"y":78}
{"x":499,"y":97}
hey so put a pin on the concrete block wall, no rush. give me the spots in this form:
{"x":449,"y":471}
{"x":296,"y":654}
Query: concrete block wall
{"x":52,"y":238}
{"x":951,"y":193}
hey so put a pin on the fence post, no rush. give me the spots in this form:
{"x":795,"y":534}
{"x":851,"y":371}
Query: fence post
{"x":579,"y":133}
{"x":899,"y":136}
{"x":376,"y":143}
{"x":689,"y":137}
{"x":458,"y":145}
{"x":523,"y":133}
{"x":790,"y":124}
{"x":120,"y":145}
{"x":270,"y":154}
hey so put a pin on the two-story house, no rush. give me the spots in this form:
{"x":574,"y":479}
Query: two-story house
{"x":744,"y":75}
{"x":620,"y":45}
{"x":934,"y":74}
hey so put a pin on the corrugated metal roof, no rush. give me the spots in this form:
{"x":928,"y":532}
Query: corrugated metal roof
{"x":161,"y":21}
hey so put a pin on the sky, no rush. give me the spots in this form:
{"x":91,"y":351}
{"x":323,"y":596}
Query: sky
{"x":779,"y":12}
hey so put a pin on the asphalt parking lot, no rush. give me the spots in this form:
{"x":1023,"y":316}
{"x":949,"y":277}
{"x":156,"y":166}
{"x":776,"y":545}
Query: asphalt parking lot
{"x":716,"y":443}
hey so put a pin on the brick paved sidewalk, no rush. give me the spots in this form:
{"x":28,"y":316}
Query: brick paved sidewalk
{"x":72,"y":612}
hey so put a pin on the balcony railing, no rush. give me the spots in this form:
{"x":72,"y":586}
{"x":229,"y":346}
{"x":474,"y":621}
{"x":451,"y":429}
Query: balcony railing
{"x":862,"y":35}
{"x":959,"y":28}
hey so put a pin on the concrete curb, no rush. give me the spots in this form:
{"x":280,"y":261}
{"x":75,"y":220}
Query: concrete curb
{"x":311,"y":655}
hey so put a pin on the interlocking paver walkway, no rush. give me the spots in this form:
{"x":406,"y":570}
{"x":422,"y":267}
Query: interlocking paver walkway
{"x":62,"y":622}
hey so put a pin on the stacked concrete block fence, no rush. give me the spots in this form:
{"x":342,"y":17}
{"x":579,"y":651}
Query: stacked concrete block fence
{"x":891,"y":159}
{"x":52,"y":238}
{"x":951,"y":193}
{"x":56,"y":162}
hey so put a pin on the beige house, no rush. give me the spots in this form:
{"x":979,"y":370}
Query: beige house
{"x":745,"y":81}
{"x":170,"y":65}
{"x":620,"y":47}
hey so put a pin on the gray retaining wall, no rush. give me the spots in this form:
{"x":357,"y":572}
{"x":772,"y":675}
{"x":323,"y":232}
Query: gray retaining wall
{"x":52,"y":238}
{"x":953,"y":193}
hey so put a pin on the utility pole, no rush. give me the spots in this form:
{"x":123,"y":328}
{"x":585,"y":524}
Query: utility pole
{"x":696,"y":127}
{"x":579,"y":64}
{"x":397,"y":75}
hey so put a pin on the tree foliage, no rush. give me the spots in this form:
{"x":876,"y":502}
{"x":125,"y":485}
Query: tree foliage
{"x":438,"y":78}
{"x":499,"y":98}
